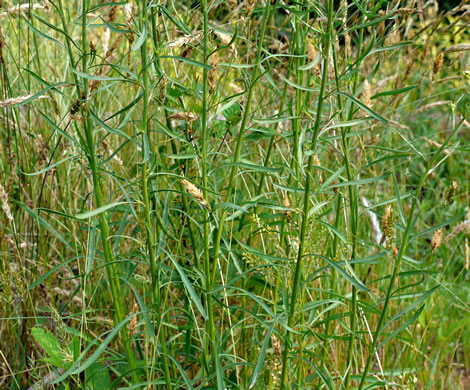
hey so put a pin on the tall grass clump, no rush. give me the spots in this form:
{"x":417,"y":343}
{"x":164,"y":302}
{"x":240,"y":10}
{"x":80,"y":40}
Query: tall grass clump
{"x":234,"y":195}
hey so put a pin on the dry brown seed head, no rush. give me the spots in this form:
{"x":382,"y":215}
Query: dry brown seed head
{"x":93,"y":86}
{"x":21,"y":8}
{"x":387,"y":221}
{"x":236,"y":89}
{"x":287,"y":213}
{"x":451,"y":192}
{"x":276,"y":344}
{"x":5,"y":205}
{"x":2,"y":44}
{"x":19,"y":99}
{"x":225,"y":38}
{"x":197,"y":193}
{"x":331,"y":68}
{"x":285,"y":202}
{"x":393,"y":37}
{"x":134,"y":320}
{"x":436,"y":239}
{"x":212,"y":74}
{"x":381,"y":24}
{"x":129,"y":11}
{"x":250,"y":6}
{"x":188,"y":39}
{"x":438,"y":61}
{"x":214,"y":60}
{"x":408,"y":11}
{"x":106,"y":38}
{"x":461,"y":227}
{"x":459,"y":47}
{"x":112,"y":15}
{"x":316,"y":161}
{"x":367,"y":93}
{"x":347,"y":44}
{"x":186,"y":51}
{"x":311,"y":51}
{"x":312,"y":55}
{"x":162,"y":88}
{"x":183,"y":116}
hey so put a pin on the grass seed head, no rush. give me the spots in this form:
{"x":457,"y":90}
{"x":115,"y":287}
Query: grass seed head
{"x":250,"y":6}
{"x":134,"y":320}
{"x":387,"y":226}
{"x":197,"y":193}
{"x":185,"y":40}
{"x":2,"y":44}
{"x":317,"y":162}
{"x":236,"y":89}
{"x":461,"y":227}
{"x":212,"y":74}
{"x":458,"y":48}
{"x":183,"y":116}
{"x":17,"y":9}
{"x":162,"y":89}
{"x":5,"y":205}
{"x":311,"y":51}
{"x":408,"y":11}
{"x":312,"y":56}
{"x":451,"y":192}
{"x":129,"y":12}
{"x":367,"y":93}
{"x":276,"y":344}
{"x":285,"y":201}
{"x":438,"y":61}
{"x":106,"y":38}
{"x":387,"y":218}
{"x":112,"y":15}
{"x":286,"y":204}
{"x":394,"y":36}
{"x":436,"y":239}
{"x":18,"y":100}
{"x":225,"y":38}
{"x":381,"y":24}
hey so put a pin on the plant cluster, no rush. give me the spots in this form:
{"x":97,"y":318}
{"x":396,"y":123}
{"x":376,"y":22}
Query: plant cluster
{"x":234,"y":194}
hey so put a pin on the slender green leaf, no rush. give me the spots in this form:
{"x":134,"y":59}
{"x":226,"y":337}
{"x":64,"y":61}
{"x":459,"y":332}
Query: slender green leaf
{"x":99,"y":210}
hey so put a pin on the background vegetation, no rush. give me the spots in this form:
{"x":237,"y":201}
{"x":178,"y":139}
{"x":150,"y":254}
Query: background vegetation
{"x":234,"y":194}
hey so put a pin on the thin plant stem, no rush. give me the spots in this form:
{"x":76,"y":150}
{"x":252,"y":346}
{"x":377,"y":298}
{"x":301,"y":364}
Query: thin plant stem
{"x":306,"y":200}
{"x":113,"y":272}
{"x":209,"y":325}
{"x":241,"y":134}
{"x":146,"y":140}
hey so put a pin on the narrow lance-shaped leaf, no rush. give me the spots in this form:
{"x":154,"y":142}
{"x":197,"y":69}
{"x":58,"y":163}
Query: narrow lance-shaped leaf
{"x":99,"y":210}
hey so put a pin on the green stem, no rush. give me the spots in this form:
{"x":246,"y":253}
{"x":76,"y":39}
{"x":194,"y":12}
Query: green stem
{"x":113,"y":272}
{"x":241,"y":134}
{"x":210,"y":325}
{"x":299,"y":75}
{"x":353,"y":201}
{"x":145,"y":191}
{"x":306,"y":200}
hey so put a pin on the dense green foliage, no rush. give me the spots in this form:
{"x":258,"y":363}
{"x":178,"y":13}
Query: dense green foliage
{"x":234,"y":194}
